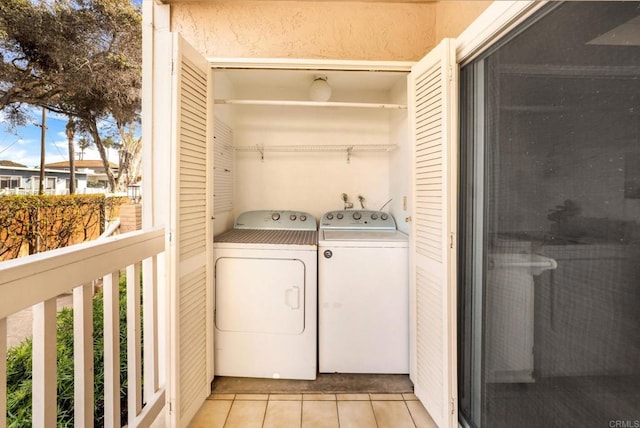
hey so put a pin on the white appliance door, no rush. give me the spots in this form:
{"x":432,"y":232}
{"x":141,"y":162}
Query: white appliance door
{"x":432,"y":93}
{"x":363,"y":303}
{"x":260,"y":295}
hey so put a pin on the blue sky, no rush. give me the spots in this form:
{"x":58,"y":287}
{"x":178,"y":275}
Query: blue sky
{"x":22,"y":144}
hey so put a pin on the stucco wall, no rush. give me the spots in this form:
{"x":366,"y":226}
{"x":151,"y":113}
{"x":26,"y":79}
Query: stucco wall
{"x":452,"y":17}
{"x":307,"y":29}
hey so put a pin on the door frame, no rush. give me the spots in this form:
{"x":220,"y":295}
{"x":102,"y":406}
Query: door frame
{"x":496,"y":22}
{"x":492,"y":24}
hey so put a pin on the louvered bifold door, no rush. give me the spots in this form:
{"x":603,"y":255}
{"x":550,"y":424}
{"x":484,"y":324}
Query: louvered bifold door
{"x":433,"y":121}
{"x":191,"y":229}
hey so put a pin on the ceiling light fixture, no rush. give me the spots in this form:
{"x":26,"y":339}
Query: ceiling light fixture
{"x":319,"y":89}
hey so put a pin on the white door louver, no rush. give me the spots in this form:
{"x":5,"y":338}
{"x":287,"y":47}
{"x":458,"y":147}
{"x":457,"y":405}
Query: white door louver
{"x":190,"y":223}
{"x":433,"y":119}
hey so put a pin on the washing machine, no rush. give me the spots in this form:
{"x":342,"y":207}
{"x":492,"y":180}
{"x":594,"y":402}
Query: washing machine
{"x":266,"y":296}
{"x":363,"y":293}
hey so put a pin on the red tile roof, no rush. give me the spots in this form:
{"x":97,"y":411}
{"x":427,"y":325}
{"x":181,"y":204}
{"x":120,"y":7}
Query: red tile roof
{"x":92,"y":164}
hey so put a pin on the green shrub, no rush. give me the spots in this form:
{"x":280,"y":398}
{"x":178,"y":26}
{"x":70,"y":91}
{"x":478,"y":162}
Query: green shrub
{"x":19,"y":368}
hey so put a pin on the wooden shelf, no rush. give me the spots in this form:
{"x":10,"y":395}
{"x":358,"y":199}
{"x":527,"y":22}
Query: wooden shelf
{"x":311,"y":104}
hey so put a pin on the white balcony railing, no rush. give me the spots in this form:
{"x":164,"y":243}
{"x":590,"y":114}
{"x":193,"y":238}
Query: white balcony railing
{"x":37,"y":280}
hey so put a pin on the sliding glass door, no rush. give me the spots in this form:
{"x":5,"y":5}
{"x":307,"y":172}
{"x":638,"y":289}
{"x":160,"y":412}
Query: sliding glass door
{"x":549,"y":277}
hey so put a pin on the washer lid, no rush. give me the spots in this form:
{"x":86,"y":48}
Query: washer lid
{"x":364,"y":235}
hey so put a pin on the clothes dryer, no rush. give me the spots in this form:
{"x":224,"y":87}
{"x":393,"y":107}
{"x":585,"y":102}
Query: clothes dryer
{"x":266,"y":296}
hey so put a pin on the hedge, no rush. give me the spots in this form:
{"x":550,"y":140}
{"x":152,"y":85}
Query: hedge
{"x":34,"y":223}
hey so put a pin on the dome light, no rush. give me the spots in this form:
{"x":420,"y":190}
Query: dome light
{"x":319,"y":89}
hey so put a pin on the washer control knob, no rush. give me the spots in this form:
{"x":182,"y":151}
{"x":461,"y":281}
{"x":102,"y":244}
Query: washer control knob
{"x":275,"y":216}
{"x":384,"y":216}
{"x":303,"y":218}
{"x":292,"y":217}
{"x":329,"y":216}
{"x":340,"y":216}
{"x":357,"y":215}
{"x":374,"y":216}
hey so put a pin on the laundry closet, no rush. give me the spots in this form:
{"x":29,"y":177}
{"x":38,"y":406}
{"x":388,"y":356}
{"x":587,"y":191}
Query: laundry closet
{"x":246,"y":136}
{"x":285,"y":151}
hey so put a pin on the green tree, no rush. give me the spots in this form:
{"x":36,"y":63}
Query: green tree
{"x":81,"y":58}
{"x":83,"y":144}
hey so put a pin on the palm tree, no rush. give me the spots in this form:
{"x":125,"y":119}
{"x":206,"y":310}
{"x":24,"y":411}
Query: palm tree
{"x":70,"y":130}
{"x":83,"y":143}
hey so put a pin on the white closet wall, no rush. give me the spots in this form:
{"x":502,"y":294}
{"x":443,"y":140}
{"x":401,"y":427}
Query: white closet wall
{"x":223,"y":88}
{"x":399,"y":159}
{"x":314,"y":181}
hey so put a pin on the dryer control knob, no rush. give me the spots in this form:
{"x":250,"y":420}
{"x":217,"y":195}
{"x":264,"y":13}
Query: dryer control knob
{"x":275,"y":216}
{"x":384,"y":216}
{"x":374,"y":216}
{"x":340,"y":216}
{"x":329,"y":216}
{"x":303,"y":218}
{"x":357,"y":215}
{"x":293,"y":217}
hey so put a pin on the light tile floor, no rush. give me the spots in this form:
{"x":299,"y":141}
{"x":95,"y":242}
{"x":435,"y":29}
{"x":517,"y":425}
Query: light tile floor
{"x":312,"y":411}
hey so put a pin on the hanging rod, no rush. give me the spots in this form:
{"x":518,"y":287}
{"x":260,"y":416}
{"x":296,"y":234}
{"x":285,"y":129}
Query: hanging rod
{"x":311,"y":104}
{"x":344,"y":148}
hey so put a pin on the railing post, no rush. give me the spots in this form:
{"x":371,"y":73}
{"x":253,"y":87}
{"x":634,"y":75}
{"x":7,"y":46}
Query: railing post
{"x":44,"y":364}
{"x":133,"y":343}
{"x":83,"y":392}
{"x":150,"y":322}
{"x":3,"y":373}
{"x":111,"y":294}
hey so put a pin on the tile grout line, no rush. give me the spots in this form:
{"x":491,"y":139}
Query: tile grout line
{"x":375,"y":418}
{"x":226,"y":419}
{"x":410,"y":414}
{"x":264,"y":415}
{"x":301,"y":410}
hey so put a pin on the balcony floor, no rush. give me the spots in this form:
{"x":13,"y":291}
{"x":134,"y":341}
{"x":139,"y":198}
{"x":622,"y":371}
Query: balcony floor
{"x":358,"y":401}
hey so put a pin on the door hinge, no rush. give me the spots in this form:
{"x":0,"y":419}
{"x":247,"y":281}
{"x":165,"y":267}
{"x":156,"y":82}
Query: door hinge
{"x":170,"y":406}
{"x":452,"y":406}
{"x":450,"y":73}
{"x":451,"y":239}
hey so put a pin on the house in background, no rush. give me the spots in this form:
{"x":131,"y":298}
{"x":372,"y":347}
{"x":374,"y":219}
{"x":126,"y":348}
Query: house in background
{"x":98,"y":176}
{"x":26,"y":181}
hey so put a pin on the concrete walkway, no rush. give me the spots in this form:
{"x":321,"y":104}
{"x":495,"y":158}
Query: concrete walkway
{"x":20,"y":324}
